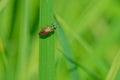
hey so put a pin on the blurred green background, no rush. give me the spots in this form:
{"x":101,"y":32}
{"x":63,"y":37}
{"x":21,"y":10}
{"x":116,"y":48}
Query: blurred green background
{"x":92,"y":29}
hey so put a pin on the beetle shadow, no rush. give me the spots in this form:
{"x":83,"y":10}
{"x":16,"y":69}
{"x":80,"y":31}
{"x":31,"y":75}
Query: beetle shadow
{"x":47,"y":35}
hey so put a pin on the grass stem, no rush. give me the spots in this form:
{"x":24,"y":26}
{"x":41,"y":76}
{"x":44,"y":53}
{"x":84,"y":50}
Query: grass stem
{"x":46,"y":47}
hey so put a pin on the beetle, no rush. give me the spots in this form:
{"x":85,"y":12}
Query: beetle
{"x":47,"y":30}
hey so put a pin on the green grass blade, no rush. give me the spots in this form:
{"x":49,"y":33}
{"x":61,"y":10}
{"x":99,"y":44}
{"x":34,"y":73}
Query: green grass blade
{"x":114,"y":68}
{"x":5,"y":23}
{"x":66,"y":47}
{"x":46,"y":47}
{"x":80,"y":66}
{"x":23,"y":41}
{"x":99,"y":62}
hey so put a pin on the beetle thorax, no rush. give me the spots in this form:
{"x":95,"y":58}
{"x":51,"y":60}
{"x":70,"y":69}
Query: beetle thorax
{"x":52,"y":28}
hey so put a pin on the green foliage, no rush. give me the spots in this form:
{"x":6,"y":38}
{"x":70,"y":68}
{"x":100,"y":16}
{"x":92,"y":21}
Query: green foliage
{"x":65,"y":45}
{"x":85,"y":45}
